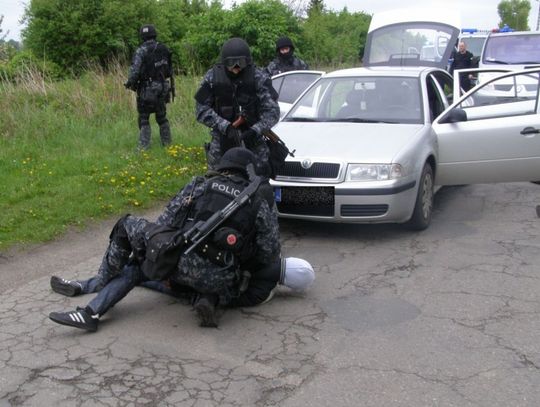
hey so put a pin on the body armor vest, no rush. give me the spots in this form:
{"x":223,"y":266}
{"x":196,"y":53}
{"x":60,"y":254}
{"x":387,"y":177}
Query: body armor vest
{"x":156,"y":64}
{"x":220,"y":190}
{"x":233,"y":97}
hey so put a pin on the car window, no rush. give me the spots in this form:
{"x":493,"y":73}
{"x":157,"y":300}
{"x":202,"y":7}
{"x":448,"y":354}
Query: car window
{"x":445,"y":83}
{"x":512,"y":95}
{"x":276,"y":83}
{"x":410,"y":44}
{"x":292,"y":85}
{"x":361,"y":99}
{"x":519,"y":49}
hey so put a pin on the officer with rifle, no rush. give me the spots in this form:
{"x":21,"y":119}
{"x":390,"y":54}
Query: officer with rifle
{"x":216,"y":232}
{"x":232,"y":88}
{"x":151,"y":76}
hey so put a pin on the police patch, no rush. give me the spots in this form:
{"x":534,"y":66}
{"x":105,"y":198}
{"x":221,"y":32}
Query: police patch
{"x":225,"y":189}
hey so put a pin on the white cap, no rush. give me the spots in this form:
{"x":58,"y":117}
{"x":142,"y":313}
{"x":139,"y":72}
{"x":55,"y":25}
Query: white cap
{"x":297,"y":274}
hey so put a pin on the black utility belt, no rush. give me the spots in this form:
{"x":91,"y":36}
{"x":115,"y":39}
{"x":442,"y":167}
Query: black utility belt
{"x":222,"y":258}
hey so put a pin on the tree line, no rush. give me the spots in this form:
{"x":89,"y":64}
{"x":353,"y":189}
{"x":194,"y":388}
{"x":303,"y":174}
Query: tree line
{"x":65,"y":37}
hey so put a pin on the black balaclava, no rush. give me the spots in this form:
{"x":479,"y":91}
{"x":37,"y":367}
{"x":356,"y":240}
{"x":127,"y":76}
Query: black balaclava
{"x":285,"y":42}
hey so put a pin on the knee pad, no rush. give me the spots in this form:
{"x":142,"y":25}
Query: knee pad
{"x":119,"y":234}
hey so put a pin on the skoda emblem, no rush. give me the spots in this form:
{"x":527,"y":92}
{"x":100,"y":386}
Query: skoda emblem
{"x":306,"y":164}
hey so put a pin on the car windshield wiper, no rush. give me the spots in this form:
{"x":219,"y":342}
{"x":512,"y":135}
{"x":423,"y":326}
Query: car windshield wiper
{"x":300,"y":119}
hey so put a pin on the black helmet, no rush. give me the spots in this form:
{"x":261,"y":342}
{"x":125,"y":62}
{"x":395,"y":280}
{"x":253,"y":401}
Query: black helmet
{"x":147,"y":32}
{"x":284,"y":42}
{"x":236,"y":52}
{"x":237,"y":158}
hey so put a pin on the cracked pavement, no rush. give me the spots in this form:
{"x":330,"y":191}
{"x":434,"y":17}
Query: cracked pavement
{"x":445,"y":317}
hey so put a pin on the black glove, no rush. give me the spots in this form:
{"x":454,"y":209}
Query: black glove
{"x":233,"y":135}
{"x":249,"y":135}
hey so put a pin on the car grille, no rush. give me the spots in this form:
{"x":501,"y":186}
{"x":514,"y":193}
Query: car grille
{"x":317,"y":170}
{"x":363,"y":210}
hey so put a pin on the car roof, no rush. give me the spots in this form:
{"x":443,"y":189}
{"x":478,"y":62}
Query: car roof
{"x":513,"y":33}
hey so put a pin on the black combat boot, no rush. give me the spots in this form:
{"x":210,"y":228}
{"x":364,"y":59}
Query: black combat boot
{"x":165,"y":134}
{"x":144,"y":137}
{"x":65,"y":287}
{"x":205,"y":307}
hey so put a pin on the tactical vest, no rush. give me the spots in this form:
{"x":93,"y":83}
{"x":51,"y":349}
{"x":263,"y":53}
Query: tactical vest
{"x":156,"y":62}
{"x":234,"y":97}
{"x":219,"y":191}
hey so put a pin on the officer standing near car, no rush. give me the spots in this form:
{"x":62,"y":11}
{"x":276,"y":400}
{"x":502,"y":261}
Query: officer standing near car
{"x":285,"y":59}
{"x":218,"y":270}
{"x":462,"y":59}
{"x":151,"y":76}
{"x":231,"y":90}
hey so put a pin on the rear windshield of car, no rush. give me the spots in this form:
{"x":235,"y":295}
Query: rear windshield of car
{"x":520,"y":49}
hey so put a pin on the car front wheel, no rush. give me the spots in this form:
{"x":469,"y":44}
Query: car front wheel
{"x":423,"y":208}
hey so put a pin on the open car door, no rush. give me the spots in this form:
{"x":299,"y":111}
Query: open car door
{"x":492,"y":133}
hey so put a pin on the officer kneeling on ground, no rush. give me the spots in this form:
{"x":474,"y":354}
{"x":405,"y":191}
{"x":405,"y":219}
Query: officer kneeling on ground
{"x":238,"y":264}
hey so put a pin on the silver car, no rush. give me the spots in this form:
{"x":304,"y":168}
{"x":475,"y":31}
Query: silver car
{"x":374,"y":143}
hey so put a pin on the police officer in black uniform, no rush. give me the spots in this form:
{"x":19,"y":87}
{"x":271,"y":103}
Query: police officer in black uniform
{"x":219,"y":279}
{"x":285,"y":59}
{"x":236,"y":89}
{"x":150,"y":75}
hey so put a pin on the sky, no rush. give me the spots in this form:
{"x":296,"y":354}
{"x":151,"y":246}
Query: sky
{"x":481,"y":14}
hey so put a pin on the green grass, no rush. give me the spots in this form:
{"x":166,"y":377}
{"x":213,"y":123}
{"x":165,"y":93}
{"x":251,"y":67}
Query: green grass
{"x":68,"y":154}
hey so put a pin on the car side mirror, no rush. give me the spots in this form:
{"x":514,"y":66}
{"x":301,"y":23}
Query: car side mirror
{"x":454,"y":116}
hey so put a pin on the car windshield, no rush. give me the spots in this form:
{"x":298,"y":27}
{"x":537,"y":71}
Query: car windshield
{"x":512,"y":49}
{"x":380,"y":99}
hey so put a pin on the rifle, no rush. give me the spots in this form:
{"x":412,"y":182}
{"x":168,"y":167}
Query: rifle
{"x":202,"y":229}
{"x":269,"y":134}
{"x":173,"y":88}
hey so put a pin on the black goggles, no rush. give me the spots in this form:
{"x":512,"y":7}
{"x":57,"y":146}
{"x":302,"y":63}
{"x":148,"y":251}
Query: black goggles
{"x":240,"y":62}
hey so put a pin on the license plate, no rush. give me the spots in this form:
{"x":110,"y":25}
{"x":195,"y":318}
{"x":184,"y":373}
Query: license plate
{"x":311,"y":196}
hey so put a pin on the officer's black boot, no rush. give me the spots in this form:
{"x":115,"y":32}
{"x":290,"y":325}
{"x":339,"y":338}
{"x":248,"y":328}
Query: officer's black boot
{"x":165,"y":133}
{"x":538,"y":210}
{"x":144,"y":137}
{"x":205,"y":307}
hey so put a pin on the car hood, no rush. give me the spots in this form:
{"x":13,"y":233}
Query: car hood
{"x":347,"y":142}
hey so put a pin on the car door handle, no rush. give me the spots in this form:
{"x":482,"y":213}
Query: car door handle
{"x":529,"y":130}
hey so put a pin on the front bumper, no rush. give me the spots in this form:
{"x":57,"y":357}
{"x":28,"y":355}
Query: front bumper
{"x":350,"y":202}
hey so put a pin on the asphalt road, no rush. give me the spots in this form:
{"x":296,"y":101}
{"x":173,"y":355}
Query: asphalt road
{"x":446,"y":317}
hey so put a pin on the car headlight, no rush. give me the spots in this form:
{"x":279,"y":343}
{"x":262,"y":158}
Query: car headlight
{"x":374,"y":172}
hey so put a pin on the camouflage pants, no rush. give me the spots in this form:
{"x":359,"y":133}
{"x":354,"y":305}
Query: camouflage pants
{"x":126,"y":239}
{"x":214,"y":149}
